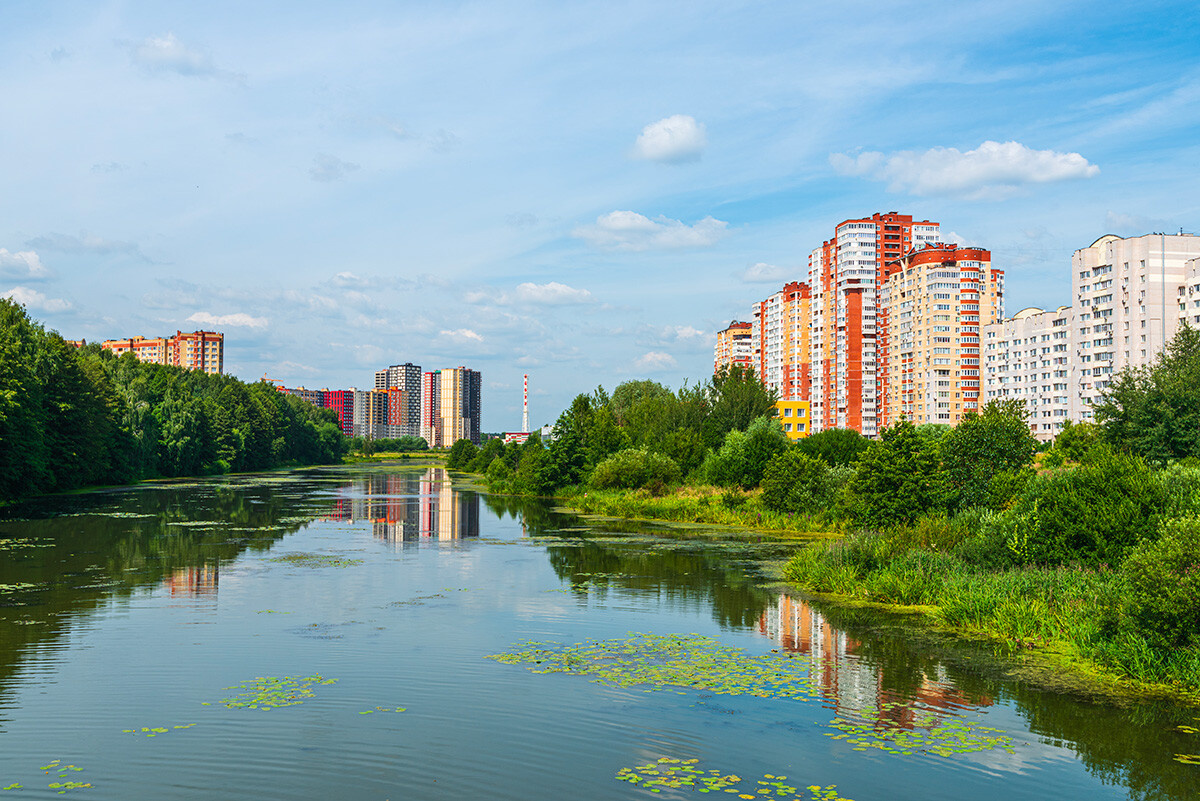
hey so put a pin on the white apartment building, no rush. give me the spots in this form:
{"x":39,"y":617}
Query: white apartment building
{"x":1127,"y":295}
{"x":1189,"y":294}
{"x":1029,"y":358}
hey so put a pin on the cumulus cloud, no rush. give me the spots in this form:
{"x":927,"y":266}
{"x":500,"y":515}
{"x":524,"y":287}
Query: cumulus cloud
{"x":236,"y":320}
{"x":674,"y":140}
{"x":461,"y":335}
{"x":36,"y":301}
{"x":655,"y":361}
{"x":85,"y":243}
{"x":993,"y":170}
{"x":684,"y":333}
{"x":763,"y":273}
{"x":550,"y":294}
{"x":24,"y":265}
{"x":168,"y":54}
{"x":628,"y":230}
{"x":328,"y":168}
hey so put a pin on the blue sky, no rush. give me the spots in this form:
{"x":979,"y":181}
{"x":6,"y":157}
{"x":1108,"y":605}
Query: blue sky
{"x":583,"y":192}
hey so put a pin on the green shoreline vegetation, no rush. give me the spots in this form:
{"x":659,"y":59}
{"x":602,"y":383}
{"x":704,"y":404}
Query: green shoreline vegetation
{"x":1083,"y":554}
{"x":81,"y":417}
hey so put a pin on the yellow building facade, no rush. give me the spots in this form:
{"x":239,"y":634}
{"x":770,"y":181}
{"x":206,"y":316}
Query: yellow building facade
{"x":795,"y":417}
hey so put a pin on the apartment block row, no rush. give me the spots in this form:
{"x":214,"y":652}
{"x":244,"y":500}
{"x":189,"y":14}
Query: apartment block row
{"x":894,"y":323}
{"x":440,"y":406}
{"x":196,"y":350}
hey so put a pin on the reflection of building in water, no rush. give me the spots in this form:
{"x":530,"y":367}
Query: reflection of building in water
{"x":406,"y":507}
{"x":201,"y":580}
{"x":856,"y":685}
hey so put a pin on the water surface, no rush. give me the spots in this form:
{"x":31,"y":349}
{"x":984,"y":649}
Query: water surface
{"x":140,"y":607}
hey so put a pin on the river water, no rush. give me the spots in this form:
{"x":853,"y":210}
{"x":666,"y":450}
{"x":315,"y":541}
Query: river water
{"x":154,"y":610}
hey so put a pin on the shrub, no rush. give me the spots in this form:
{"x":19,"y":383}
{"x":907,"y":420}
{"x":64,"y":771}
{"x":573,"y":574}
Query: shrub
{"x":796,"y":483}
{"x":1162,"y":578}
{"x":895,"y":481}
{"x":837,"y":447}
{"x":632,"y":469}
{"x":1180,"y":484}
{"x":742,"y":458}
{"x":462,"y":453}
{"x":980,"y":447}
{"x":1090,"y":514}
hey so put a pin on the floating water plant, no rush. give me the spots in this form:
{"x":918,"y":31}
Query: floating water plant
{"x":315,"y":560}
{"x":156,"y":730}
{"x":63,"y":772}
{"x":677,"y":774}
{"x":383,"y":709}
{"x":269,"y":692}
{"x":678,"y":660}
{"x":929,"y":735}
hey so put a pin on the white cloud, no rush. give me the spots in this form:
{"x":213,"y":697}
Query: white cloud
{"x":551,"y":294}
{"x":993,"y":170}
{"x":237,"y":320}
{"x":168,"y":54}
{"x":85,"y":243}
{"x":628,"y":230}
{"x":1119,"y":223}
{"x":674,"y":140}
{"x":763,"y":273}
{"x":328,"y":168}
{"x":36,"y":301}
{"x":461,"y":335}
{"x":655,"y":361}
{"x":24,"y":265}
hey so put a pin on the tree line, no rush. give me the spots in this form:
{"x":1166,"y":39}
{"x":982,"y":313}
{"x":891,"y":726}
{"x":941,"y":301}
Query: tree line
{"x":75,"y":417}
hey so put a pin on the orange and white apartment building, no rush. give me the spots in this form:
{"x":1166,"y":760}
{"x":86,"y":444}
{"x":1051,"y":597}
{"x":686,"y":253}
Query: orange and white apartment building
{"x":848,"y":339}
{"x":780,"y":334}
{"x":934,"y":301}
{"x":197,"y":350}
{"x":735,"y":346}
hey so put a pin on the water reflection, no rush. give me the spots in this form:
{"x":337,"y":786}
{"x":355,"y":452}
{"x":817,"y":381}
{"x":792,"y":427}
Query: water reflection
{"x":408,"y":507}
{"x":856,"y":685}
{"x":193,"y":581}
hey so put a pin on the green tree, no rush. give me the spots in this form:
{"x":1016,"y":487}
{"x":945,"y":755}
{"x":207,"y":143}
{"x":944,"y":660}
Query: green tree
{"x":796,"y":483}
{"x":743,"y":457}
{"x":895,"y":480}
{"x":982,"y":445}
{"x":739,"y":398}
{"x":837,"y":447}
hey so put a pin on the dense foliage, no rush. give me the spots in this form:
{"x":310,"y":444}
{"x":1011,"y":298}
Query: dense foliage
{"x":77,"y":417}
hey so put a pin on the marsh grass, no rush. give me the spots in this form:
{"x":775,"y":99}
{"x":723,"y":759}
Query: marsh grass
{"x":1069,"y":610}
{"x":703,"y":504}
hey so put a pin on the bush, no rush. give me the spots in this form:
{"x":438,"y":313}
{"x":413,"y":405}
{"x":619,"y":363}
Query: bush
{"x":632,"y":469}
{"x":796,"y":483}
{"x":983,"y":445}
{"x":896,"y":479}
{"x":1090,"y":514}
{"x":837,"y":447}
{"x":1180,"y":484}
{"x":1162,"y":577}
{"x":462,"y":453}
{"x":742,"y":459}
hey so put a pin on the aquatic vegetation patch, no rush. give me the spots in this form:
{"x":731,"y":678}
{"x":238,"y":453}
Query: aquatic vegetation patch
{"x":674,"y":660}
{"x":269,"y":692}
{"x":154,"y":731}
{"x":271,"y":612}
{"x":22,"y":543}
{"x":677,"y":774}
{"x":315,"y":560}
{"x":1188,"y":759}
{"x":927,"y":735}
{"x":19,"y":586}
{"x":383,"y":709}
{"x":64,"y":771}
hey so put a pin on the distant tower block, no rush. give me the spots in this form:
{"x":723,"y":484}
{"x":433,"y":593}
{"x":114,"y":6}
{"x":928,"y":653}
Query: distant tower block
{"x":525,"y":413}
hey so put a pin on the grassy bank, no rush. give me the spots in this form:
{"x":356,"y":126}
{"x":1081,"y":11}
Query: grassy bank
{"x":1073,"y":618}
{"x":693,"y":504}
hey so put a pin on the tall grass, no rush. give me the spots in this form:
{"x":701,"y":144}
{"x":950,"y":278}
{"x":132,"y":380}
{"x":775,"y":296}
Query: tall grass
{"x":1028,"y":607}
{"x":696,"y":505}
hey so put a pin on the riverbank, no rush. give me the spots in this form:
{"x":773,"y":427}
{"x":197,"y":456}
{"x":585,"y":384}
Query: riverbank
{"x":1062,"y":620}
{"x":694,"y":504}
{"x":1056,"y":627}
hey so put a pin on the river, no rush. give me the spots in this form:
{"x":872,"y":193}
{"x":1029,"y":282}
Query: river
{"x":325,"y":634}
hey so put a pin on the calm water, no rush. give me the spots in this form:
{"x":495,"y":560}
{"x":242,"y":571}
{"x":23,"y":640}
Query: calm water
{"x":135,"y":607}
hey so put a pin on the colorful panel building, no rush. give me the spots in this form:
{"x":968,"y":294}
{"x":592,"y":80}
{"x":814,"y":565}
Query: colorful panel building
{"x":735,"y":346}
{"x":780,"y":333}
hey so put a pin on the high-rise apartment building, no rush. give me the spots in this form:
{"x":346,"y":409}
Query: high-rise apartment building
{"x":935,"y":298}
{"x":451,"y":406}
{"x":402,"y":384}
{"x":370,"y":413}
{"x":197,"y":350}
{"x":844,"y":274}
{"x":734,"y":347}
{"x":1028,"y":358}
{"x":1189,"y":294}
{"x":780,"y":333}
{"x":1126,"y":294}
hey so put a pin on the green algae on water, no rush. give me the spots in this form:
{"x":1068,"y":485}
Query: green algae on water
{"x":315,"y":560}
{"x":927,"y":735}
{"x":269,"y":692}
{"x":677,"y":774}
{"x":673,"y":660}
{"x":154,"y":731}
